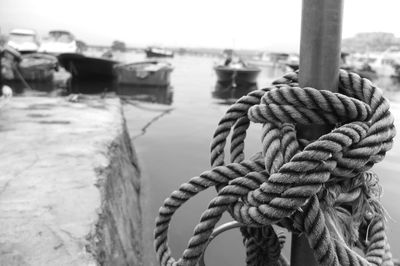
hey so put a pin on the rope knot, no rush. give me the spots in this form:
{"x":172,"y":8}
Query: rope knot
{"x":319,"y":188}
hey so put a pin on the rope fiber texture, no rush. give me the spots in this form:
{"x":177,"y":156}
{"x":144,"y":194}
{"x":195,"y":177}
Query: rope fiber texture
{"x":323,"y":189}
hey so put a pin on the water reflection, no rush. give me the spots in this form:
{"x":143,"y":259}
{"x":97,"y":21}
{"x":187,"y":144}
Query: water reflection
{"x":231,"y":93}
{"x":162,"y":95}
{"x":274,"y":71}
{"x":90,"y":86}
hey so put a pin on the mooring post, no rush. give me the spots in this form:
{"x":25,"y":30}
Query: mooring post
{"x":1,"y":67}
{"x":321,"y":34}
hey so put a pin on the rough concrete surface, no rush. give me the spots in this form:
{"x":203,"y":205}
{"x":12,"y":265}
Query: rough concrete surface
{"x":69,"y":184}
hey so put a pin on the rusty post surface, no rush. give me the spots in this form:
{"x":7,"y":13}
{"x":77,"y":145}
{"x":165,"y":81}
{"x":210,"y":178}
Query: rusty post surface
{"x":321,"y":35}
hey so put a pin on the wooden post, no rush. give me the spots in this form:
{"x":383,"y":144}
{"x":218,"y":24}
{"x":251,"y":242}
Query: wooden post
{"x":321,"y":30}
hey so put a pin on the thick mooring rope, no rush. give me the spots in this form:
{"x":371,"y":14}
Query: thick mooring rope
{"x":322,"y":188}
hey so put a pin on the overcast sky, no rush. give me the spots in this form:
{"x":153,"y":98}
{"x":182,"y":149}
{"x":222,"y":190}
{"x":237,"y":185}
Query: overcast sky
{"x":254,"y":24}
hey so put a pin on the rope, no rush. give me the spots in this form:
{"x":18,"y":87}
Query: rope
{"x":322,"y":189}
{"x":16,"y":70}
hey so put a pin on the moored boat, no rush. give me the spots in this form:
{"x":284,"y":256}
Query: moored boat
{"x":158,"y":52}
{"x":237,"y":75}
{"x":29,"y":67}
{"x":38,"y":67}
{"x":84,"y":67}
{"x":146,"y":73}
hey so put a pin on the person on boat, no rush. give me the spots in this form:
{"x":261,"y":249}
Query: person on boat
{"x":228,"y":60}
{"x":107,"y":54}
{"x":234,"y":61}
{"x":10,"y":58}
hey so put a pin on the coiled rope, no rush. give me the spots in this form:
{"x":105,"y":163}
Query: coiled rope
{"x":322,"y":188}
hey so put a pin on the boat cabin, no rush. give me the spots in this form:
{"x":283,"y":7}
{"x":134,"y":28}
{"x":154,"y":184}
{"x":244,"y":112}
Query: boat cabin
{"x":59,"y":41}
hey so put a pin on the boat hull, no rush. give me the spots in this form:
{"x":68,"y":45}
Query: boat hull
{"x":237,"y":76}
{"x":85,"y":68}
{"x":144,"y":74}
{"x":30,"y":67}
{"x":38,"y":67}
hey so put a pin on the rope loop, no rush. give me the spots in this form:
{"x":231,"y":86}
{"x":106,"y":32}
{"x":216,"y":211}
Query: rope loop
{"x":320,"y":188}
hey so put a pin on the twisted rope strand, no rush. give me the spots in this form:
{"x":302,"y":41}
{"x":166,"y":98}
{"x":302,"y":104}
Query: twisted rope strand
{"x":216,"y":176}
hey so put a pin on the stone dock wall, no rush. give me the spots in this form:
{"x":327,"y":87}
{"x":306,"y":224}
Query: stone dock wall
{"x":69,"y":184}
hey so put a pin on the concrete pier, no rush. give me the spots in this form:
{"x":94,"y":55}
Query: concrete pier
{"x":69,"y":184}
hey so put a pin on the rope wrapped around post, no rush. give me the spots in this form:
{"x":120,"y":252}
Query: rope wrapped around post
{"x":323,"y":189}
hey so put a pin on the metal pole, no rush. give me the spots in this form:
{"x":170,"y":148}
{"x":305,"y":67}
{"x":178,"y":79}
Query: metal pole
{"x":1,"y":67}
{"x":321,"y":30}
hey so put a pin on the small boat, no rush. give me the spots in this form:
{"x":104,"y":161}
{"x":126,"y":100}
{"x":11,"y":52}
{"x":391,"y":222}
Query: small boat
{"x":85,"y":68}
{"x":23,"y":40}
{"x":237,"y":75}
{"x":146,"y":73}
{"x":59,"y":41}
{"x":158,"y":52}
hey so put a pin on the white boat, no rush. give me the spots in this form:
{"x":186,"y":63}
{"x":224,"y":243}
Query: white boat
{"x":275,"y":60}
{"x":23,"y":40}
{"x":58,"y":42}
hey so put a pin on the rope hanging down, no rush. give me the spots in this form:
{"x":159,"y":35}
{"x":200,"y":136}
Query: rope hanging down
{"x":323,"y":189}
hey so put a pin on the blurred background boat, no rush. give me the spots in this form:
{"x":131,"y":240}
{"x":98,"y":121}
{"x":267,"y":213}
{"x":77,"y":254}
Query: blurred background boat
{"x":146,"y":73}
{"x":87,"y":68}
{"x":234,"y":71}
{"x":29,"y":66}
{"x":237,"y":76}
{"x":158,"y":52}
{"x":23,"y":40}
{"x":274,"y":59}
{"x":38,"y":67}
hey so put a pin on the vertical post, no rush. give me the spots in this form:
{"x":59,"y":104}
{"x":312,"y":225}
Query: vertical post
{"x":321,"y":30}
{"x":1,"y":67}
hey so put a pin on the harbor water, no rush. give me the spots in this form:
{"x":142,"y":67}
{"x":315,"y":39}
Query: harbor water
{"x":171,"y":130}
